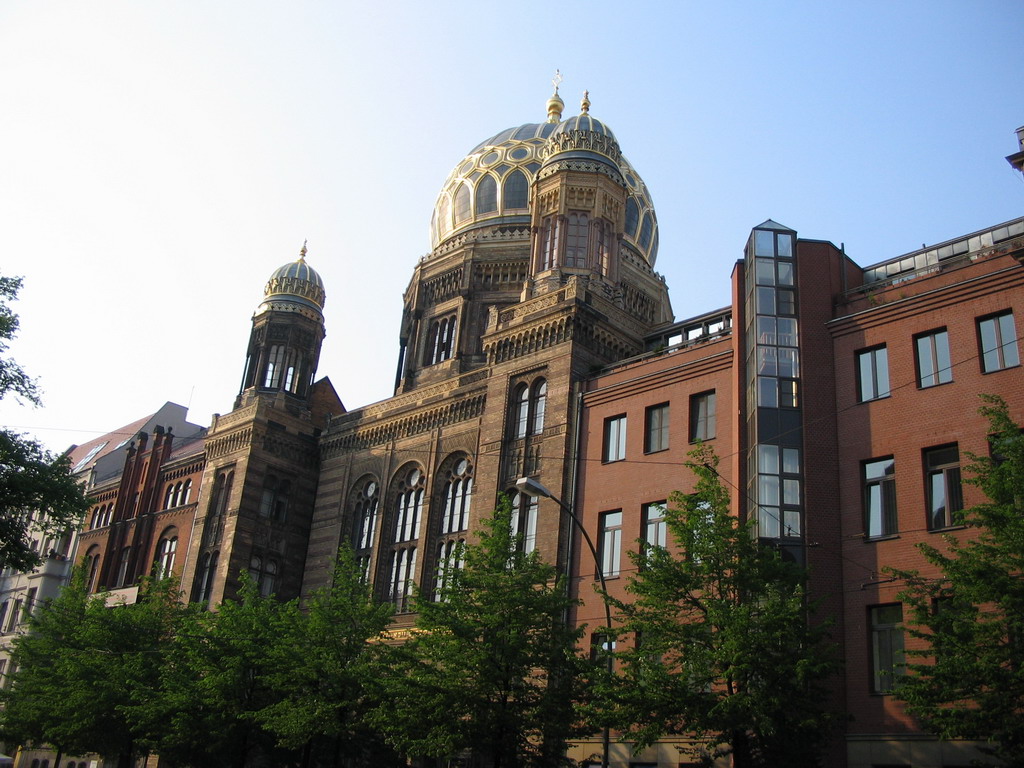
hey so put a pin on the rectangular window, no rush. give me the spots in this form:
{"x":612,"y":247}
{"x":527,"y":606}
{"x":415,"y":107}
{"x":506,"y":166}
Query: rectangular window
{"x":615,"y":438}
{"x":655,"y":532}
{"x":611,"y":543}
{"x":933,"y":363}
{"x":886,"y":646}
{"x":872,"y":374}
{"x":998,"y":338}
{"x":942,"y":478}
{"x":702,"y":416}
{"x":880,"y":497}
{"x":656,"y":428}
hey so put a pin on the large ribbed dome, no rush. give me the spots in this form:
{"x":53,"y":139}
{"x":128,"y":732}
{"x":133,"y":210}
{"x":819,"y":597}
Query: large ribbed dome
{"x":295,"y":286}
{"x":490,"y":186}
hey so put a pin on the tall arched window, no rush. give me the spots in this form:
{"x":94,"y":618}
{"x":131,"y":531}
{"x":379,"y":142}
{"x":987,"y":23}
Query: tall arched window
{"x":444,"y":217}
{"x":364,"y":506}
{"x":275,"y":364}
{"x":205,"y":577}
{"x":549,"y":243}
{"x":219,"y":499}
{"x":486,"y":195}
{"x":516,"y":190}
{"x":450,"y":558}
{"x":91,"y":564}
{"x":462,"y":204}
{"x":408,"y":494}
{"x":632,"y":217}
{"x":169,"y":497}
{"x":577,"y":240}
{"x":165,"y":552}
{"x":275,"y":498}
{"x":186,"y":492}
{"x":524,"y":520}
{"x":458,"y":496}
{"x":603,"y":250}
{"x":409,"y":505}
{"x":521,"y":411}
{"x":264,"y":572}
{"x":538,"y":405}
{"x":646,"y":230}
{"x":123,"y":574}
{"x":440,"y":340}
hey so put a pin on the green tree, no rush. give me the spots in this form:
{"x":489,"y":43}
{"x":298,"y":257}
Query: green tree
{"x":968,"y":680}
{"x":215,"y":680}
{"x":725,"y":650}
{"x":84,"y":667}
{"x":324,"y":668}
{"x":37,"y":491}
{"x":492,"y":666}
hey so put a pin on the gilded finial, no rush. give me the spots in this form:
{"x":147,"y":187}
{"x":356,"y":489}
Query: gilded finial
{"x":585,"y":104}
{"x":555,"y":103}
{"x":302,"y":253}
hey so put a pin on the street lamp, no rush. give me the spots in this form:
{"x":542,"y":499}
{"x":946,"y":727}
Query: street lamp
{"x":533,"y":487}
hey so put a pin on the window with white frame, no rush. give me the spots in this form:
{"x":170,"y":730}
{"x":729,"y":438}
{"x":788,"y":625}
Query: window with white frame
{"x":880,"y":497}
{"x":872,"y":374}
{"x":615,"y":438}
{"x":998,"y":339}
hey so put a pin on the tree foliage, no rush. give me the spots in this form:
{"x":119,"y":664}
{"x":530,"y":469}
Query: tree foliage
{"x":726,"y":652}
{"x":324,"y":669}
{"x":492,"y":665}
{"x":968,"y":677}
{"x":37,"y":491}
{"x":84,"y":668}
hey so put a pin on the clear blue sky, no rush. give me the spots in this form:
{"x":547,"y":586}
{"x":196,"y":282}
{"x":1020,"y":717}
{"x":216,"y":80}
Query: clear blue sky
{"x":160,"y":159}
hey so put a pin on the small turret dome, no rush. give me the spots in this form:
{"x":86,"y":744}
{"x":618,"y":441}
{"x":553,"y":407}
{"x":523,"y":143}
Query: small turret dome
{"x":297,"y":287}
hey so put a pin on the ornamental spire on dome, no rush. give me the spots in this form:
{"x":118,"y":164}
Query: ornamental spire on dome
{"x":555,"y":103}
{"x":302,"y":251}
{"x":585,"y":104}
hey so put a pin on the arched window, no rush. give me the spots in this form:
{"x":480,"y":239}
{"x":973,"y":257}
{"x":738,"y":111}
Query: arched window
{"x":440,"y":340}
{"x":516,"y":190}
{"x":632,"y":217}
{"x":462,"y":204}
{"x":538,"y":405}
{"x":275,"y":498}
{"x":275,"y":364}
{"x":169,"y":497}
{"x":576,"y":240}
{"x":549,"y":243}
{"x":364,"y":506}
{"x":450,"y":558}
{"x":486,"y":195}
{"x":186,"y":492}
{"x":408,"y":494}
{"x":529,"y":405}
{"x":409,"y":505}
{"x":458,"y":496}
{"x":264,"y":574}
{"x":122,"y":567}
{"x":521,"y":411}
{"x":603,"y":251}
{"x":165,"y":551}
{"x":444,"y":218}
{"x":645,"y":231}
{"x":219,"y":499}
{"x":524,"y":520}
{"x":91,"y":564}
{"x":205,"y":577}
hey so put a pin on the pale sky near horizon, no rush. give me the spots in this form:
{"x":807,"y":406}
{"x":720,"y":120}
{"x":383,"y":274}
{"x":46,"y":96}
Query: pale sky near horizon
{"x":159,"y":159}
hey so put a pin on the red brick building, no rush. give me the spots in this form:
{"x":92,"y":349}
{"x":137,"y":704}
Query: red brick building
{"x":842,"y":401}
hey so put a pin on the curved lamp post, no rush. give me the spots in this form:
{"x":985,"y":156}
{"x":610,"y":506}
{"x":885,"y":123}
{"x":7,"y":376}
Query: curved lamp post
{"x":533,"y":487}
